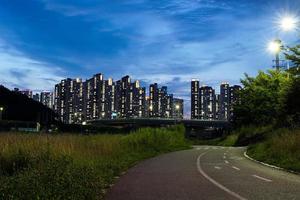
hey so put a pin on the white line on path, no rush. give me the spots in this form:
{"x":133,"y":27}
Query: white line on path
{"x":217,"y":167}
{"x":236,"y":168}
{"x":224,"y":157}
{"x":226,"y":161}
{"x":262,"y":178}
{"x":222,"y":187}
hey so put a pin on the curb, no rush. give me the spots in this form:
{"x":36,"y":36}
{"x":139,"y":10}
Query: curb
{"x":268,"y":165}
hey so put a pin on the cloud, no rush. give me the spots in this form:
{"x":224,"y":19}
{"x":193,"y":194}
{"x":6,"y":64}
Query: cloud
{"x":166,"y":41}
{"x":18,"y":70}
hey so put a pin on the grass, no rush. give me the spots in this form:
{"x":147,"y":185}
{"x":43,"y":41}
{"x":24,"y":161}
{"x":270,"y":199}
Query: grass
{"x":239,"y":137}
{"x":282,"y":149}
{"x":76,"y":166}
{"x":228,"y":140}
{"x":279,"y":147}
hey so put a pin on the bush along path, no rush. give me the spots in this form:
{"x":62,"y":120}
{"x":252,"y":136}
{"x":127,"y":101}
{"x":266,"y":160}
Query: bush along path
{"x":74,"y":166}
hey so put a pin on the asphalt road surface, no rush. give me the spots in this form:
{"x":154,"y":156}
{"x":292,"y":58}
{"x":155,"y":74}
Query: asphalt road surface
{"x":205,"y":172}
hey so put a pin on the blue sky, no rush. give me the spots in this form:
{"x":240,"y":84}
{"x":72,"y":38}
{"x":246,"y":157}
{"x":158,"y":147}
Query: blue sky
{"x":164,"y":41}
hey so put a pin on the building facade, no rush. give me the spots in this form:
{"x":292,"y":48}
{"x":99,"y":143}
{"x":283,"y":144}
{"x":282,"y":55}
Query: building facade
{"x":160,"y":103}
{"x":207,"y":105}
{"x":195,"y":99}
{"x":76,"y":101}
{"x":45,"y":98}
{"x":234,"y":99}
{"x":224,"y":102}
{"x":178,"y":108}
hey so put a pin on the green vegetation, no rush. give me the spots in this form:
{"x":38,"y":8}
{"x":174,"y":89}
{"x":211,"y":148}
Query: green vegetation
{"x":281,"y":149}
{"x":294,"y":55}
{"x":76,"y":166}
{"x":268,"y":118}
{"x":229,"y":140}
{"x":262,"y":99}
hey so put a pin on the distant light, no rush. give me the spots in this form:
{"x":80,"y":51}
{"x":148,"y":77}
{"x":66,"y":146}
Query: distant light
{"x":150,"y":108}
{"x":84,"y":123}
{"x":274,"y":46}
{"x":177,"y":107}
{"x":1,"y":108}
{"x":288,"y":23}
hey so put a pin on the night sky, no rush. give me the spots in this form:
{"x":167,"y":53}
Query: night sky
{"x":164,"y":41}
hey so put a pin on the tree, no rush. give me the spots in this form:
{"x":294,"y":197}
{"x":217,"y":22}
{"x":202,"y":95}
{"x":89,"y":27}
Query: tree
{"x":291,"y":102}
{"x":292,"y":98}
{"x":294,"y":56}
{"x":262,"y":98}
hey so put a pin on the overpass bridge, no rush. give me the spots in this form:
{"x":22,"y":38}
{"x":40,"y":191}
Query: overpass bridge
{"x":193,"y":127}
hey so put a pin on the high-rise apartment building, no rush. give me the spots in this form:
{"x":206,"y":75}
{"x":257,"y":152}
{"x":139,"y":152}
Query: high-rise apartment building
{"x":69,"y":100}
{"x":217,"y":103}
{"x":154,"y":100}
{"x":147,"y":104}
{"x":36,"y":97}
{"x":160,"y":102}
{"x":61,"y":100}
{"x":94,"y":89}
{"x":178,"y":108}
{"x":224,"y":102}
{"x":207,"y":103}
{"x":130,"y":98}
{"x":139,"y":100}
{"x":195,"y":100}
{"x":45,"y":98}
{"x":109,"y":99}
{"x":234,"y":99}
{"x":76,"y":101}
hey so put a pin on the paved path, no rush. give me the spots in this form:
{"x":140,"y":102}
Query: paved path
{"x":205,"y":172}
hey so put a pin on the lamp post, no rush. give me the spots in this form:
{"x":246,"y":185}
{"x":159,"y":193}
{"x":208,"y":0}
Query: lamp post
{"x":276,"y":47}
{"x":1,"y":111}
{"x":287,"y":23}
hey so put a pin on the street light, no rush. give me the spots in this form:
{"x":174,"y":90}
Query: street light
{"x":288,"y":23}
{"x":276,"y":47}
{"x":177,"y":107}
{"x":1,"y":110}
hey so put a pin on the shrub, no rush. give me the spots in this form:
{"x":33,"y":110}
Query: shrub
{"x":282,"y":149}
{"x":76,"y":166}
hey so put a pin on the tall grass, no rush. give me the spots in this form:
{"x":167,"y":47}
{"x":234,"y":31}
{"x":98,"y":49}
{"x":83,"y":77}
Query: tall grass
{"x":281,"y":149}
{"x":76,"y":166}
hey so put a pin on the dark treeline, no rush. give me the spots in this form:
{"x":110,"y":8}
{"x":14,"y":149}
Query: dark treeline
{"x":18,"y":107}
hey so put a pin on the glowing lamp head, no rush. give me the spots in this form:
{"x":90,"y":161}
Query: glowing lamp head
{"x":1,"y":108}
{"x":177,"y":107}
{"x":274,"y":46}
{"x":288,"y":23}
